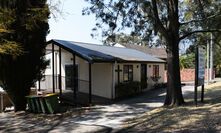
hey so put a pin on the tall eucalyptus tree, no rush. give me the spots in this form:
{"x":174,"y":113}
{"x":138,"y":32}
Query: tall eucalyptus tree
{"x":171,"y":20}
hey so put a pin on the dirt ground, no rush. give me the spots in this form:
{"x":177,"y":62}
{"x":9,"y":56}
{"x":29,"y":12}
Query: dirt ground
{"x":138,"y":114}
{"x":206,"y":117}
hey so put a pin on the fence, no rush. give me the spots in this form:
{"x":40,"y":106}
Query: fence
{"x":46,"y":84}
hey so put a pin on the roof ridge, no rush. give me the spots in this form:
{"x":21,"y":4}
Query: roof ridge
{"x":91,"y":44}
{"x":143,"y":46}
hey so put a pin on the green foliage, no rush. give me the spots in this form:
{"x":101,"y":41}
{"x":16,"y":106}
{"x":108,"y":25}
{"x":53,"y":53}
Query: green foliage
{"x":10,"y":48}
{"x":217,"y":60}
{"x":146,"y":19}
{"x":128,"y":39}
{"x":155,"y":78}
{"x":125,"y":89}
{"x":24,"y":26}
{"x":187,"y":61}
{"x":159,"y":85}
{"x":7,"y":44}
{"x":143,"y":85}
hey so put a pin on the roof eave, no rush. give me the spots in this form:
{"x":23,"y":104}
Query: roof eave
{"x":71,"y":51}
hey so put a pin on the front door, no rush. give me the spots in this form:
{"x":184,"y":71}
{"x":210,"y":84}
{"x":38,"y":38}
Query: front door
{"x":69,"y":77}
{"x":143,"y":76}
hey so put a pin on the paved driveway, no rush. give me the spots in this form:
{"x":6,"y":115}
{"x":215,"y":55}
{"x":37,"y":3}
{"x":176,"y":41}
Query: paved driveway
{"x":105,"y":118}
{"x":111,"y":117}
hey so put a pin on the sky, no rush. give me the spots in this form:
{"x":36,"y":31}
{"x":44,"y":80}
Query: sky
{"x":72,"y":25}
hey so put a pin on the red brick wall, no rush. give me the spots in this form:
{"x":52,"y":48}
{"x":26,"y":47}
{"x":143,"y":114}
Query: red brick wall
{"x":188,"y":75}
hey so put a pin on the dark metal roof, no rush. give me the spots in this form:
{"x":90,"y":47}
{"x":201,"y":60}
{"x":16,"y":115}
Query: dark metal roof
{"x":101,"y":53}
{"x":157,"y":52}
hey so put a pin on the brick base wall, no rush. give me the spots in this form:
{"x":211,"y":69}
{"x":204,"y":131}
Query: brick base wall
{"x":188,"y":75}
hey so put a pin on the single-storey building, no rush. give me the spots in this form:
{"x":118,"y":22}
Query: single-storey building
{"x":153,"y":51}
{"x":97,"y":69}
{"x":156,"y":52}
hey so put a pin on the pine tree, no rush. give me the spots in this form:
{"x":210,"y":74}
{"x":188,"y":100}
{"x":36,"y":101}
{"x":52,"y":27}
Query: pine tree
{"x":23,"y":30}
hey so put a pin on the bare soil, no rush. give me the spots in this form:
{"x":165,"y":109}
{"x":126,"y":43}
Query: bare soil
{"x":206,"y":117}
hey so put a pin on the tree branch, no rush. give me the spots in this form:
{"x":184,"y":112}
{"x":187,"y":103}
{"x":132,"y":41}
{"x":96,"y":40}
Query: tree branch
{"x":198,"y":31}
{"x":195,"y":21}
{"x":162,"y":29}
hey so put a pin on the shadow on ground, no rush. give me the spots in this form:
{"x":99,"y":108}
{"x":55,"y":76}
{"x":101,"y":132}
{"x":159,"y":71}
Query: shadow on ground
{"x":27,"y":122}
{"x":100,"y":118}
{"x":188,"y":118}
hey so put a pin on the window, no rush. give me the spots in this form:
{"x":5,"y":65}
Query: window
{"x":49,"y":63}
{"x":69,"y":79}
{"x":156,"y":71}
{"x":128,"y":73}
{"x":48,"y":58}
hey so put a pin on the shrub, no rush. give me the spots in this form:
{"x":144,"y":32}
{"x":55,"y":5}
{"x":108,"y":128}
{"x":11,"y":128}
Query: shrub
{"x":127,"y":88}
{"x":143,"y":85}
{"x":159,"y":85}
{"x":155,"y":78}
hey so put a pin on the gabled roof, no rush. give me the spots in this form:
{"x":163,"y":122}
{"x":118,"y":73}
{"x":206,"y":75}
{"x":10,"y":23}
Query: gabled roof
{"x":157,"y":52}
{"x":102,"y":53}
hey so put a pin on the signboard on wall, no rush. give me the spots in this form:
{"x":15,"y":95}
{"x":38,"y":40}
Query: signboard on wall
{"x":201,"y":66}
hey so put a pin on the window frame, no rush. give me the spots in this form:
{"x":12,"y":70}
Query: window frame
{"x":156,"y":71}
{"x":127,"y":73}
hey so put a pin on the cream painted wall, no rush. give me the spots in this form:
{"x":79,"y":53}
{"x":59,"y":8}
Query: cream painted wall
{"x":137,"y":72}
{"x":83,"y":71}
{"x":83,"y":75}
{"x":65,"y":60}
{"x":150,"y":73}
{"x":102,"y":79}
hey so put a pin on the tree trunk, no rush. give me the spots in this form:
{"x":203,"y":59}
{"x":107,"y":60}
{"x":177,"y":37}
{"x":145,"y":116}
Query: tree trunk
{"x":174,"y":93}
{"x":18,"y":98}
{"x":20,"y":103}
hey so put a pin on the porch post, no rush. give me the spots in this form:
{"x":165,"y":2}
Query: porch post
{"x":39,"y":84}
{"x":74,"y":75}
{"x":118,"y":74}
{"x":60,"y":86}
{"x":113,"y":80}
{"x":90,"y":83}
{"x":53,"y":68}
{"x":56,"y":71}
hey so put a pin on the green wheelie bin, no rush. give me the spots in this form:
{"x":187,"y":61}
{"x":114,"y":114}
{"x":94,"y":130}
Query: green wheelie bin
{"x":34,"y":104}
{"x":51,"y":103}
